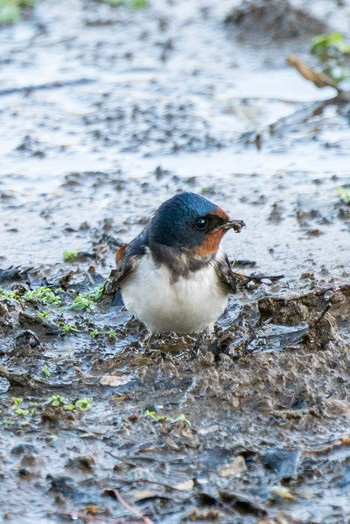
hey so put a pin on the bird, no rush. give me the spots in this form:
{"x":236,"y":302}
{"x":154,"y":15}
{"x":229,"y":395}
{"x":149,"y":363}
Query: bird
{"x":173,"y":276}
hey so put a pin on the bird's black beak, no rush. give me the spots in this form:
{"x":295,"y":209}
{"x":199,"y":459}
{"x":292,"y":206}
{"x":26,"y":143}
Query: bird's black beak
{"x":236,"y":225}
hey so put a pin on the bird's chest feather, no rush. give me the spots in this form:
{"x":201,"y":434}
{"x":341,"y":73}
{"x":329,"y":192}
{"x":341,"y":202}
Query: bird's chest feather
{"x":184,"y":304}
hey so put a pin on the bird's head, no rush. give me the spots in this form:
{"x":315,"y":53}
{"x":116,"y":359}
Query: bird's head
{"x":191,"y":223}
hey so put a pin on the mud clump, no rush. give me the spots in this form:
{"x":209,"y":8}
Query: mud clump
{"x":273,"y":20}
{"x":324,"y":311}
{"x":85,"y":464}
{"x":55,"y":414}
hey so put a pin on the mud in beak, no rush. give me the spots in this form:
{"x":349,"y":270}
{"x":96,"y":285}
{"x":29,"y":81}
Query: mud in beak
{"x":236,"y":225}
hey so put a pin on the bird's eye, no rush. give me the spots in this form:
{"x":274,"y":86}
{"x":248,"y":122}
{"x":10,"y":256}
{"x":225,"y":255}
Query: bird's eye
{"x":201,"y":224}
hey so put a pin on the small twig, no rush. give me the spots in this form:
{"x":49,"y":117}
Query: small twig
{"x":146,"y":520}
{"x":320,"y":80}
{"x":258,"y":279}
{"x":245,"y":263}
{"x":327,"y":308}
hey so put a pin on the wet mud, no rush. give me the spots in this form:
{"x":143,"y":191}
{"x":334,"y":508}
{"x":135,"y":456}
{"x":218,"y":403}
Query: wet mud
{"x":101,"y":122}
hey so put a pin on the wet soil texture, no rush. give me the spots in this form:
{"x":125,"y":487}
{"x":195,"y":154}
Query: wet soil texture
{"x":105,"y":113}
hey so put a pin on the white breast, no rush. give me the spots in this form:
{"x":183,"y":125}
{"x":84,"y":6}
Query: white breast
{"x":185,"y":306}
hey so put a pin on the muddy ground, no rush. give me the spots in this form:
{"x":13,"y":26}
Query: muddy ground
{"x":105,"y":113}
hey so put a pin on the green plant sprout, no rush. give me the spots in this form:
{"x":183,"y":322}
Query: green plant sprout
{"x":68,"y":327}
{"x":95,"y":293}
{"x":44,"y":315}
{"x":10,"y":10}
{"x":45,"y":371}
{"x":85,"y":302}
{"x":81,"y":303}
{"x":334,"y":55}
{"x":130,"y":4}
{"x":7,"y":295}
{"x":17,"y":401}
{"x":70,"y":256}
{"x":44,"y":295}
{"x":162,"y":418}
{"x":110,"y":334}
{"x":83,"y":404}
{"x":321,"y":44}
{"x":344,"y":195}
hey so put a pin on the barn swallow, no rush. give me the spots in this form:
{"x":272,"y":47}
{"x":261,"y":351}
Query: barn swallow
{"x":173,"y":276}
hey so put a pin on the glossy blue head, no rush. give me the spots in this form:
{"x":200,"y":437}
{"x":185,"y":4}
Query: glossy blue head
{"x":189,"y":222}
